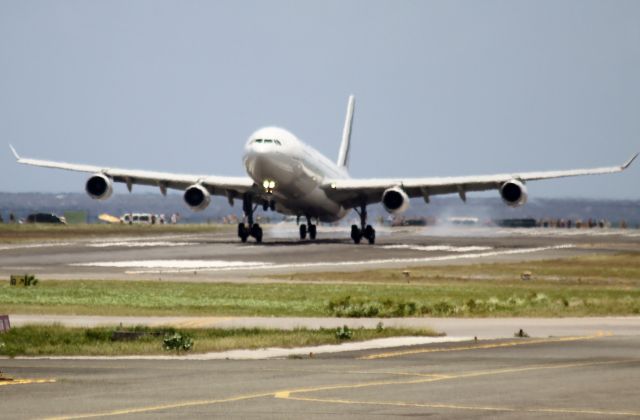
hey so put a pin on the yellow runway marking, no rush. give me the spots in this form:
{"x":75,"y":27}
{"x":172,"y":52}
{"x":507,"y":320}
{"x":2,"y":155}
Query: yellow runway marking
{"x":484,"y":346}
{"x":415,"y":379}
{"x":472,"y":407}
{"x":148,"y":409}
{"x":434,"y":378}
{"x":287,"y":394}
{"x":26,"y":381}
{"x":360,"y":372}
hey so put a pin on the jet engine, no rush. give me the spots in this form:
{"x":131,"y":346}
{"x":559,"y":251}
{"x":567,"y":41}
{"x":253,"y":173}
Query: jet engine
{"x":395,"y":200}
{"x":197,"y":197}
{"x":99,"y":187}
{"x":513,"y":193}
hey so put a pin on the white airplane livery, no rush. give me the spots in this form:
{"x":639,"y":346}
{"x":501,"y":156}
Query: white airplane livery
{"x":292,"y":178}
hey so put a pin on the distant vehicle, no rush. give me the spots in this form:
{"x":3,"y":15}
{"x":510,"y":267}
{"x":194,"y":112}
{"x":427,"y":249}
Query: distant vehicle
{"x":517,"y":223}
{"x":46,"y":218}
{"x":416,"y":221}
{"x":104,"y":217}
{"x":137,"y":218}
{"x":290,"y":177}
{"x":468,"y":221}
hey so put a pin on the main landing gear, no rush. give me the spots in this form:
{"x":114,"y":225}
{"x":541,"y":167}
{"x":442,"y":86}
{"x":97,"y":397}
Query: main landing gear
{"x":364,"y":231}
{"x":249,"y":229}
{"x":308,"y":228}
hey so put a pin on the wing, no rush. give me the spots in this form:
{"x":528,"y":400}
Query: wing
{"x":217,"y":185}
{"x":354,"y":192}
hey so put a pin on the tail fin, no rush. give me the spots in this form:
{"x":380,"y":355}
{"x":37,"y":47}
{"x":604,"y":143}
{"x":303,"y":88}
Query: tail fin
{"x":343,"y":156}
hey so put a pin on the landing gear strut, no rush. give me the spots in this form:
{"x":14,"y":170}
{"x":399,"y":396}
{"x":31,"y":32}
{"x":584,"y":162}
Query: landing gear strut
{"x":364,"y":231}
{"x":308,"y":228}
{"x":249,"y":229}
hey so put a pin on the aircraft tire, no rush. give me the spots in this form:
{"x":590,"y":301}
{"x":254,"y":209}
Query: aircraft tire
{"x":303,"y":231}
{"x":370,"y":234}
{"x":312,"y":232}
{"x":242,"y":232}
{"x":256,"y":231}
{"x":356,"y":234}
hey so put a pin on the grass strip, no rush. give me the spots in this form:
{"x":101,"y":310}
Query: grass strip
{"x":452,"y":298}
{"x":595,"y":285}
{"x":35,"y":340}
{"x":617,"y":269}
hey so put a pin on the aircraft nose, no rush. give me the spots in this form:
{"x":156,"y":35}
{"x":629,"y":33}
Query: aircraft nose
{"x":255,"y":160}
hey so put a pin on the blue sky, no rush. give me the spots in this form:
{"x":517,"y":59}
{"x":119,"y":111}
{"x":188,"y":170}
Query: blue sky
{"x":443,"y":88}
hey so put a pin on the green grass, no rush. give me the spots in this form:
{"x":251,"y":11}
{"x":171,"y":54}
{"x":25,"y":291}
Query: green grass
{"x":453,"y":298}
{"x":580,"y":286}
{"x":599,"y":269}
{"x":58,"y":340}
{"x":14,"y":233}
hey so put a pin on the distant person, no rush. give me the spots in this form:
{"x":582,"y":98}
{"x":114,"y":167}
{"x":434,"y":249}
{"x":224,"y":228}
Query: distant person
{"x":174,"y":219}
{"x":153,"y":219}
{"x":12,"y":218}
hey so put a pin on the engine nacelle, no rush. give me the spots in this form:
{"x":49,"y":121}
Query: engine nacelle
{"x":197,"y":197}
{"x":514,"y":193}
{"x":99,"y":187}
{"x":395,"y":200}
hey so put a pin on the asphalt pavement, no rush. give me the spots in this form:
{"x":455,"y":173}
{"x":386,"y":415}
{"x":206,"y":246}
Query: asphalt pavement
{"x":591,"y":376}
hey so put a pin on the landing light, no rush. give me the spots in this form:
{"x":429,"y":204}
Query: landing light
{"x":268,"y":185}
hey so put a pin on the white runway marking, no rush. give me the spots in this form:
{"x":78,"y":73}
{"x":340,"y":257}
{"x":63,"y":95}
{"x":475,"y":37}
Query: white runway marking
{"x":433,"y":248}
{"x":630,"y":233}
{"x":139,"y":244}
{"x":179,"y":266}
{"x":39,"y":245}
{"x":156,"y":241}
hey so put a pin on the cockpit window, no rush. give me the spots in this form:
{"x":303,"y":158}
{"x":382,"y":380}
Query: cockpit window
{"x":269,"y":141}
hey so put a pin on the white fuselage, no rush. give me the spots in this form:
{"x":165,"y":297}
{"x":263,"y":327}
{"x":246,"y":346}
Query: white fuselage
{"x":292,"y":172}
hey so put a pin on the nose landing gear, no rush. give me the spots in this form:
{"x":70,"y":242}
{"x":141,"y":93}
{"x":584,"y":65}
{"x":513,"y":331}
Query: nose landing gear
{"x":364,"y":231}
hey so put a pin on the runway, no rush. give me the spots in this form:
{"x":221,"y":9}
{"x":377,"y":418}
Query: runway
{"x":570,"y":368}
{"x":592,"y":376}
{"x":221,"y":257}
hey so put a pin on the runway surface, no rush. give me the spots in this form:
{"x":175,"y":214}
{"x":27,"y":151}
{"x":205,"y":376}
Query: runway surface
{"x":570,"y":368}
{"x":591,"y":376}
{"x":221,"y":257}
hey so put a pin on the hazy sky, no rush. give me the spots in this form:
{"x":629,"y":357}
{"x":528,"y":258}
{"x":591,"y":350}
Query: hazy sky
{"x":443,"y":88}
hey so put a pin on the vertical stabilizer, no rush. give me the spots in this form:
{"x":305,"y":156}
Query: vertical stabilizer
{"x":343,"y":156}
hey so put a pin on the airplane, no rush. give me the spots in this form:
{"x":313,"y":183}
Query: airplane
{"x":290,"y":177}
